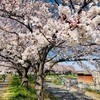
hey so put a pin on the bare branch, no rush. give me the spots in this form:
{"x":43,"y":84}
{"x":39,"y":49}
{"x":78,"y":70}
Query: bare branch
{"x":84,"y":5}
{"x":56,"y":2}
{"x":72,"y":4}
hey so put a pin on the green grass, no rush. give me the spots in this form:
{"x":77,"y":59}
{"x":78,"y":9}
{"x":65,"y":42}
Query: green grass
{"x":30,"y":79}
{"x":69,"y":76}
{"x":17,"y":92}
{"x":1,"y":77}
{"x":93,"y":91}
{"x":56,"y":80}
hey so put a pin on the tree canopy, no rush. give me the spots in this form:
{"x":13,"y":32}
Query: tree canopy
{"x":35,"y":33}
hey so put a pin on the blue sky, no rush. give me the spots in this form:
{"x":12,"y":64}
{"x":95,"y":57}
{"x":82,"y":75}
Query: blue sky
{"x":77,"y":67}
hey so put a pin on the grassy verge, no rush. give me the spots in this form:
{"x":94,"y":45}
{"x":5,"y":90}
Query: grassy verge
{"x":56,"y":78}
{"x":53,"y":79}
{"x":17,"y":92}
{"x":69,"y":76}
{"x":93,"y":91}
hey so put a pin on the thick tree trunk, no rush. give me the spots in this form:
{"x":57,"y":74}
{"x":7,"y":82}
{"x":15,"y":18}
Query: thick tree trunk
{"x":20,"y":74}
{"x":24,"y":81}
{"x":39,"y":87}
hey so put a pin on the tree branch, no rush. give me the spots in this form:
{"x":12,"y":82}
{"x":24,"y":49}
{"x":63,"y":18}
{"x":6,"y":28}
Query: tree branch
{"x":12,"y":17}
{"x":27,"y":26}
{"x":72,"y":4}
{"x":56,"y":2}
{"x":9,"y":32}
{"x":9,"y":59}
{"x":84,"y":5}
{"x":71,"y":60}
{"x":12,"y":13}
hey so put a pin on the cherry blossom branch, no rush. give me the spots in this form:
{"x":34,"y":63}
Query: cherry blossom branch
{"x":9,"y":59}
{"x":27,"y":26}
{"x":89,"y":44}
{"x":56,"y":2}
{"x":44,"y":35}
{"x":5,"y":65}
{"x":9,"y":32}
{"x":80,"y":59}
{"x":12,"y":13}
{"x":63,"y":2}
{"x":15,"y":19}
{"x":53,"y":56}
{"x":72,"y":4}
{"x":84,"y":5}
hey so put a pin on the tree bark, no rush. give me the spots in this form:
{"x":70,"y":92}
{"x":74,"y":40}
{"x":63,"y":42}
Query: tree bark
{"x":24,"y":81}
{"x":20,"y":74}
{"x":39,"y":87}
{"x":39,"y":82}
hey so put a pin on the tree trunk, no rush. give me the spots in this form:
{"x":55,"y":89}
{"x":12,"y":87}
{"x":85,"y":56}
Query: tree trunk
{"x":20,"y":74}
{"x":39,"y":87}
{"x":24,"y":81}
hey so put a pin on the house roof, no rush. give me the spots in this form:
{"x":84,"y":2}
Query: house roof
{"x":84,"y":72}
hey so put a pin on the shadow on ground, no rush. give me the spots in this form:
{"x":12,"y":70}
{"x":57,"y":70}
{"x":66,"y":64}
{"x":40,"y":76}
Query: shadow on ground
{"x":63,"y":94}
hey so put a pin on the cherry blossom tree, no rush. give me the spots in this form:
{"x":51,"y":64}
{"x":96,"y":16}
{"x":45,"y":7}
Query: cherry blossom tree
{"x":12,"y":48}
{"x":61,"y":69}
{"x":36,"y":34}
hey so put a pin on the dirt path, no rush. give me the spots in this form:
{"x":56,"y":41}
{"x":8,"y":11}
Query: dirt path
{"x":3,"y":87}
{"x":62,"y":94}
{"x":93,"y":95}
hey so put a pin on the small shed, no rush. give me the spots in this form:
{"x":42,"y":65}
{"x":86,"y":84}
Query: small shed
{"x":85,"y":77}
